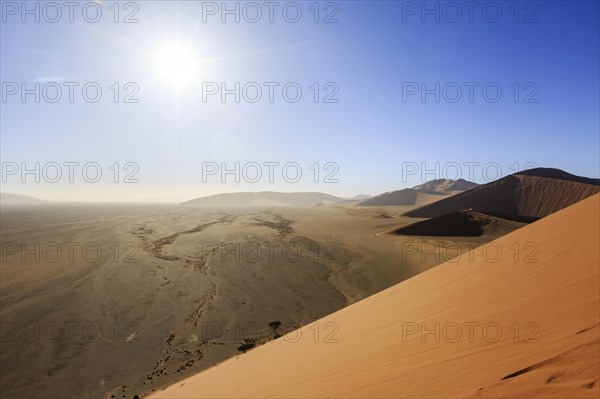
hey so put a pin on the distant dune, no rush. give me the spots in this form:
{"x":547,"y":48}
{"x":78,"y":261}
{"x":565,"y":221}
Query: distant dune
{"x":422,"y":194}
{"x":265,"y":198}
{"x":534,"y":193}
{"x":446,"y":186}
{"x":362,"y":197}
{"x":19,"y":199}
{"x":466,"y":328}
{"x":458,"y":224}
{"x":406,"y":197}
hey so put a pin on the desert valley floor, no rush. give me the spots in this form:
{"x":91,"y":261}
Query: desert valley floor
{"x":177,"y":289}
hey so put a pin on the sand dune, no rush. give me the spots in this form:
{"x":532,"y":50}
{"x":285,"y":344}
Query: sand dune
{"x":458,"y":224}
{"x":531,"y":194}
{"x":19,"y":199}
{"x":265,"y":198}
{"x":362,"y":197}
{"x":522,"y":326}
{"x":432,"y":191}
{"x":446,"y":186}
{"x":406,"y":197}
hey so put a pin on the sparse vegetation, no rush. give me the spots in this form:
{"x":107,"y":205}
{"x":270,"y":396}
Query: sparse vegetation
{"x":245,"y":347}
{"x":275,"y":325}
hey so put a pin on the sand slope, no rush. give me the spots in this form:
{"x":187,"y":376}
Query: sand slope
{"x":552,"y":303}
{"x":531,"y":194}
{"x":405,"y":197}
{"x":445,"y":186}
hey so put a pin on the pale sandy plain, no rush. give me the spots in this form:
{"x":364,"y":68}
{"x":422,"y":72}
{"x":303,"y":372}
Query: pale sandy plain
{"x":527,"y":329}
{"x":107,"y":328}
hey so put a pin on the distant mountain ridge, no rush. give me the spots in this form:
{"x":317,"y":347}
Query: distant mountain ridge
{"x":265,"y":198}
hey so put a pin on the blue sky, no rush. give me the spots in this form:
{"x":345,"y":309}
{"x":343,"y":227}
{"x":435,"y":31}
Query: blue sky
{"x":374,"y":54}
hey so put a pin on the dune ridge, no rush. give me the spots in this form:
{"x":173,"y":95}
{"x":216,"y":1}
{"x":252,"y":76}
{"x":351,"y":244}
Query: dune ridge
{"x":553,"y":173}
{"x":545,"y":314}
{"x":530,"y":194}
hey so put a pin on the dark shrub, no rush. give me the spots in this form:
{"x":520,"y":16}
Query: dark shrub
{"x":274,"y":324}
{"x":245,"y":347}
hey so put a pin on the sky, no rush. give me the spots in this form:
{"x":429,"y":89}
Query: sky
{"x":168,"y":101}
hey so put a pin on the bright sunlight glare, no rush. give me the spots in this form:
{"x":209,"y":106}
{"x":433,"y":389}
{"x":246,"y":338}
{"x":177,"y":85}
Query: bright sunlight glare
{"x":177,"y":64}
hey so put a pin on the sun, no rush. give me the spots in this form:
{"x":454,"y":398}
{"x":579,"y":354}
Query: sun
{"x":177,"y":64}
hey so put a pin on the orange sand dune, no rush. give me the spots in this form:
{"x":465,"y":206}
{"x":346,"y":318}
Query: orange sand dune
{"x":529,"y":327}
{"x":534,"y":193}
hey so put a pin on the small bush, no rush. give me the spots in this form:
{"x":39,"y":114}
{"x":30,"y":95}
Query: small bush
{"x":245,"y":347}
{"x":274,"y":324}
